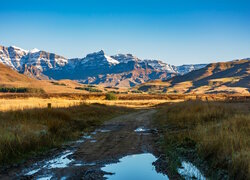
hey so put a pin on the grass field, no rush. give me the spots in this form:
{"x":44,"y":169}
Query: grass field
{"x":28,"y":132}
{"x":29,"y":103}
{"x":219,"y":132}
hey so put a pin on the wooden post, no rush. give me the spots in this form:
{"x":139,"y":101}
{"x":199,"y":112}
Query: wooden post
{"x":49,"y":105}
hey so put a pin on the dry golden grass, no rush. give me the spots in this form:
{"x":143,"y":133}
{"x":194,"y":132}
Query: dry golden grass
{"x":180,"y":87}
{"x":132,"y":103}
{"x":27,"y":132}
{"x":35,"y":102}
{"x":218,"y":131}
{"x":29,"y":103}
{"x":12,"y":101}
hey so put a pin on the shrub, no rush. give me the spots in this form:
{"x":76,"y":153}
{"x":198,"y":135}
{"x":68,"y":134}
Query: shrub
{"x":136,"y":91}
{"x":58,"y":84}
{"x":90,"y":89}
{"x":20,"y":90}
{"x":111,"y":96}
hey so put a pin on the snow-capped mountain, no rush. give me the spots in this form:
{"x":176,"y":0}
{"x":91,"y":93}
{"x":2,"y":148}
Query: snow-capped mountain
{"x":95,"y":68}
{"x":12,"y":56}
{"x":186,"y":68}
{"x":16,"y":58}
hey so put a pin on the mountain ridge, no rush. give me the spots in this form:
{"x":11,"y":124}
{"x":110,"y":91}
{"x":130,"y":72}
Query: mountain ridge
{"x":95,"y":68}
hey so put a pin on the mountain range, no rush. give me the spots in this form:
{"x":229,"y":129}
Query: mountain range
{"x":121,"y":70}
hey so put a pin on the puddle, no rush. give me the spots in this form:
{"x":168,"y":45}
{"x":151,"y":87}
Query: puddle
{"x":189,"y":171}
{"x":87,"y":137}
{"x":104,"y":130}
{"x":61,"y":161}
{"x":84,"y":164}
{"x":32,"y":172}
{"x":45,"y":178}
{"x":134,"y":167}
{"x":142,"y":130}
{"x":101,"y":130}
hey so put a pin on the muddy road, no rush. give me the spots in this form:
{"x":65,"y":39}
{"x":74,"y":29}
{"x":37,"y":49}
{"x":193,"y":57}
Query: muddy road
{"x":122,"y":136}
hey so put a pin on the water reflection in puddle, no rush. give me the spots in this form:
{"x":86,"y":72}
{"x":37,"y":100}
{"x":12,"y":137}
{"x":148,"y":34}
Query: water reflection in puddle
{"x":189,"y":171}
{"x":100,"y":130}
{"x":134,"y":167}
{"x":60,"y":161}
{"x":45,"y":178}
{"x":144,"y":130}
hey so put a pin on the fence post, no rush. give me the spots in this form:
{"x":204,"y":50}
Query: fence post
{"x":49,"y":105}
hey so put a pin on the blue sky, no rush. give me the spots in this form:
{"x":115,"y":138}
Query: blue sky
{"x":175,"y":31}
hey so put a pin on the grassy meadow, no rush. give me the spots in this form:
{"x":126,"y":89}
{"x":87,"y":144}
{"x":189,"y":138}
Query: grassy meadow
{"x":21,"y":101}
{"x":25,"y":133}
{"x":218,"y":132}
{"x":214,"y":132}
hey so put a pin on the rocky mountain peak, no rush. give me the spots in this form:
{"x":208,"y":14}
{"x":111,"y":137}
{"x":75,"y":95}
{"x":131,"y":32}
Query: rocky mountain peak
{"x":100,"y":57}
{"x":94,"y":54}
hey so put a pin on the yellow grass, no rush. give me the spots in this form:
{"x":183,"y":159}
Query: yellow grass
{"x":218,"y":131}
{"x":36,"y":102}
{"x":132,"y":103}
{"x":29,"y":103}
{"x":225,"y":80}
{"x":180,"y":87}
{"x":25,"y":133}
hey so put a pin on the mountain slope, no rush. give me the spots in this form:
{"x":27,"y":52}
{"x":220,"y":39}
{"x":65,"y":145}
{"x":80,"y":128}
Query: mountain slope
{"x":229,"y":77}
{"x":10,"y":78}
{"x":8,"y":75}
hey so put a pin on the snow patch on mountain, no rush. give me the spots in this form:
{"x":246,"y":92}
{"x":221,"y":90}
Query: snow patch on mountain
{"x":125,"y":58}
{"x":18,"y":48}
{"x":99,"y":58}
{"x":35,"y":50}
{"x":161,"y":66}
{"x":186,"y":68}
{"x":111,"y":60}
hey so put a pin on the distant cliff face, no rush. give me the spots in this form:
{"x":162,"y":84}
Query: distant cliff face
{"x":96,"y":68}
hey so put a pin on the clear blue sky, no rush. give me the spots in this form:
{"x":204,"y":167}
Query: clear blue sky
{"x":176,"y":31}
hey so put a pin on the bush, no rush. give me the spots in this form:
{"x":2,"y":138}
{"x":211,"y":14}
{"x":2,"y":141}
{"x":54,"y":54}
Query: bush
{"x":58,"y":84}
{"x":136,"y":91}
{"x":111,"y":96}
{"x":90,"y":89}
{"x":20,"y":90}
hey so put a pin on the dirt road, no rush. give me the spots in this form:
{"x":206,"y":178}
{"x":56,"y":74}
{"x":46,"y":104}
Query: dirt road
{"x":124,"y":135}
